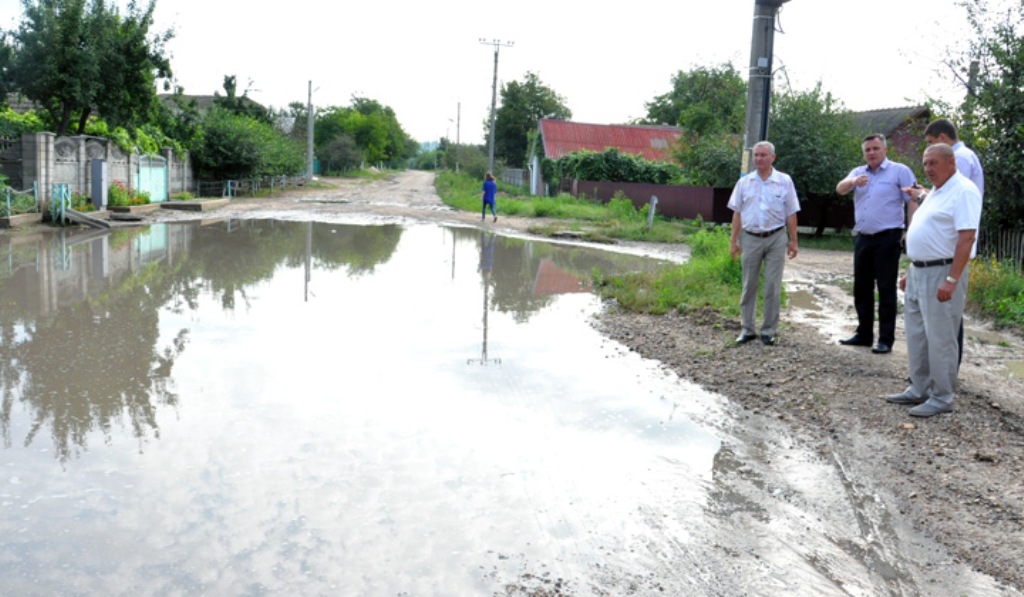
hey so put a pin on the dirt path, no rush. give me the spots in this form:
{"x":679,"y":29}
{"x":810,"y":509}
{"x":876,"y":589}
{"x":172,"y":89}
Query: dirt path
{"x":957,"y":478}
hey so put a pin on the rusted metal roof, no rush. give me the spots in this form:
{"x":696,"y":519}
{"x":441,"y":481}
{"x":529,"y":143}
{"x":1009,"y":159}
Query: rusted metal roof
{"x":651,"y":142}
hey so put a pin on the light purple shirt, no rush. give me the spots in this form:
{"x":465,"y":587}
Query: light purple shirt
{"x":879,"y":205}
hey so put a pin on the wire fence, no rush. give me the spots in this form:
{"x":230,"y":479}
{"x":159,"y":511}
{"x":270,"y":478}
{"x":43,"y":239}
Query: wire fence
{"x":19,"y":202}
{"x":247,"y":187}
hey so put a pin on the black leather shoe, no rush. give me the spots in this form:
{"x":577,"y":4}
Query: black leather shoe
{"x":881,"y":348}
{"x":744,"y":338}
{"x":855,"y":340}
{"x":768,"y":340}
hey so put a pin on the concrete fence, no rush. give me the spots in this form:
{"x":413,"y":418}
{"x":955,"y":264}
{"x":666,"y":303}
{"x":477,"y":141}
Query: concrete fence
{"x":44,"y":159}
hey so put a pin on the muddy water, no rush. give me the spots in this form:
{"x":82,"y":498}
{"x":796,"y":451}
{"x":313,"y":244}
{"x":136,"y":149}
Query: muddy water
{"x":261,"y":407}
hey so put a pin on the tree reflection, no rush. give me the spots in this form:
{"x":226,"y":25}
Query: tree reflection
{"x":79,"y":341}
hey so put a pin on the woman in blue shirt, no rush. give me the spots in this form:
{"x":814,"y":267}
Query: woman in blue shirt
{"x":490,"y":190}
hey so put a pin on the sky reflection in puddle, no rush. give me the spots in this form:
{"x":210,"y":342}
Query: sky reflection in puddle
{"x":270,"y":407}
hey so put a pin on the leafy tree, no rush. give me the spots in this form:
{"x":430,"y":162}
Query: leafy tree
{"x":340,"y":154}
{"x":992,"y":70}
{"x":75,"y":56}
{"x":240,"y":104}
{"x":816,"y":143}
{"x":6,"y":62}
{"x":709,"y":103}
{"x":234,"y":146}
{"x":522,"y":105}
{"x":703,"y":101}
{"x":131,"y":61}
{"x":373,"y":127}
{"x":711,"y":160}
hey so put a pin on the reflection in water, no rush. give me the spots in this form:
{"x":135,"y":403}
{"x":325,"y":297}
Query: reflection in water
{"x":260,"y":407}
{"x":79,"y":310}
{"x":487,"y":240}
{"x":79,"y":313}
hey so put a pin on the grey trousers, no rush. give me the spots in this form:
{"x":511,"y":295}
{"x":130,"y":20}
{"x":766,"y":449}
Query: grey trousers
{"x":770,"y":251}
{"x":931,"y":328}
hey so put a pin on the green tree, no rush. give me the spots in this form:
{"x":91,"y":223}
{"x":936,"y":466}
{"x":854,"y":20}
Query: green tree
{"x":709,"y":104}
{"x":710,"y":160}
{"x":992,"y":70}
{"x":705,"y":100}
{"x":75,"y":56}
{"x":131,"y":61}
{"x":240,"y":104}
{"x":373,"y":126}
{"x":522,"y":105}
{"x":816,"y":143}
{"x":234,"y":146}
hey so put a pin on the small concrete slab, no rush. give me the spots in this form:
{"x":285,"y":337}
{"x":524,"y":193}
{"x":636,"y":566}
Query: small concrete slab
{"x":195,"y":204}
{"x":134,"y":209}
{"x":19,"y":220}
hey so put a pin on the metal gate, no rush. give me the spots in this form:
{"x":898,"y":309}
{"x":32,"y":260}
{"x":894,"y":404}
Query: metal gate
{"x":152,"y":178}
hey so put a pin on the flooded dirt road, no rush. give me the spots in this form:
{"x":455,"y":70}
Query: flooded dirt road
{"x":357,"y":391}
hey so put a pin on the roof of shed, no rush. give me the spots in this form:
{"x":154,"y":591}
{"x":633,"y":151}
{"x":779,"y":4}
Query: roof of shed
{"x":561,"y":137}
{"x":886,"y":121}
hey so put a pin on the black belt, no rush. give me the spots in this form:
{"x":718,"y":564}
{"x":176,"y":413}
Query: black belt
{"x":763,"y":234}
{"x":933,"y":262}
{"x":882,"y":233}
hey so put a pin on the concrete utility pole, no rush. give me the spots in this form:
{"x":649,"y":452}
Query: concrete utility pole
{"x":759,"y":85}
{"x":458,"y":123}
{"x":497,"y":43}
{"x":309,"y":134}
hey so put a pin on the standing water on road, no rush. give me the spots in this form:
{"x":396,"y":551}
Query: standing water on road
{"x":265,"y":407}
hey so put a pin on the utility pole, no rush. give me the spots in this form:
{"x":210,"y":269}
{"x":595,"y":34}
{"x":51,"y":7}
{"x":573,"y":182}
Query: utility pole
{"x":497,"y":43}
{"x":458,"y":122}
{"x":759,"y":86}
{"x":309,"y":134}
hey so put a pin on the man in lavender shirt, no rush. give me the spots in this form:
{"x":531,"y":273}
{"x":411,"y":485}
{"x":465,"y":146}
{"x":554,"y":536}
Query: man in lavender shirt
{"x":879,"y":208}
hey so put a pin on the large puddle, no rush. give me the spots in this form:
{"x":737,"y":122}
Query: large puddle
{"x":264,"y":407}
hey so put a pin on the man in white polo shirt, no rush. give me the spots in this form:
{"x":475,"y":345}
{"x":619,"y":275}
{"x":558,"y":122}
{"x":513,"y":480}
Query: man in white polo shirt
{"x":764,"y":205}
{"x":940,"y":243}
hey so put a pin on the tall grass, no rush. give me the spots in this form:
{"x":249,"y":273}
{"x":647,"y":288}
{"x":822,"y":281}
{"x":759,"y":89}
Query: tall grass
{"x":592,"y":220}
{"x":709,"y":279}
{"x":996,"y":290}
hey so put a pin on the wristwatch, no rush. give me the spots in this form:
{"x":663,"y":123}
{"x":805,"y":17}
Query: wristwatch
{"x":951,"y":279}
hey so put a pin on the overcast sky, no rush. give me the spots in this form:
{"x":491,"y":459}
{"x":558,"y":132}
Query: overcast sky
{"x":425,"y":59}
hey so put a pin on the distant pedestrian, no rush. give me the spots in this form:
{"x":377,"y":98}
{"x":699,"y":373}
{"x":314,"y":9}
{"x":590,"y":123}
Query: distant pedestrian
{"x":764,"y":205}
{"x":490,"y":191}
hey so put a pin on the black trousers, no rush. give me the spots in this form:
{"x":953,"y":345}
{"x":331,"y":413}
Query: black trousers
{"x":876,"y":263}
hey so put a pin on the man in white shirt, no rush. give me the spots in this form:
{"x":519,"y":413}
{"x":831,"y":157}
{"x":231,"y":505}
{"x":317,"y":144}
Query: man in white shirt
{"x":764,"y":205}
{"x":968,"y":164}
{"x":940,"y":242}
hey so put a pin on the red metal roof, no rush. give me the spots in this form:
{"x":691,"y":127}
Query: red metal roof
{"x":652,"y":142}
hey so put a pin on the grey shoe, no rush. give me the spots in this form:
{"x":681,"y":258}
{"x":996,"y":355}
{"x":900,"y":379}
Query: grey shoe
{"x":930,"y":409}
{"x":903,"y":398}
